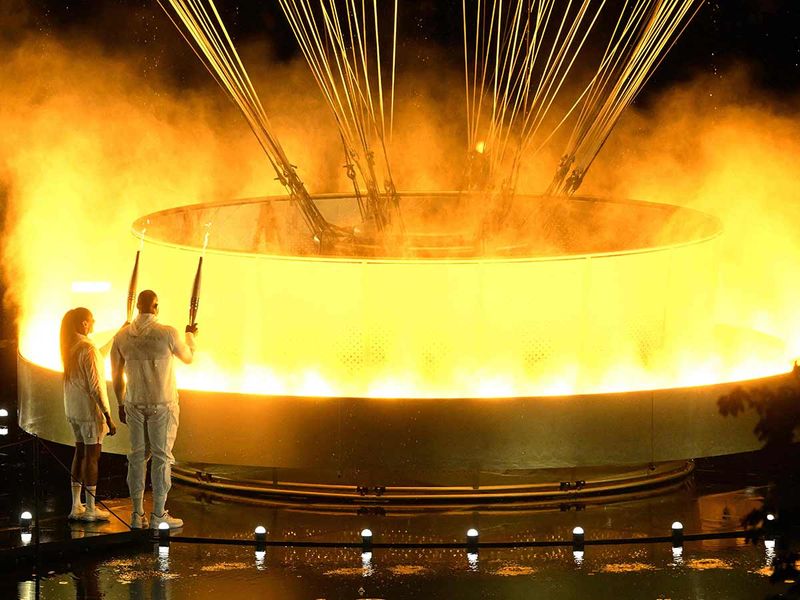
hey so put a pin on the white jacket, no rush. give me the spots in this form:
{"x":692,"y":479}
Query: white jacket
{"x":144,"y":350}
{"x":85,"y":392}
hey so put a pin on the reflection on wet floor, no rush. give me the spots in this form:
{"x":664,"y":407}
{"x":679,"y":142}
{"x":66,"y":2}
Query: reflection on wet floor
{"x":726,"y":568}
{"x":204,"y":571}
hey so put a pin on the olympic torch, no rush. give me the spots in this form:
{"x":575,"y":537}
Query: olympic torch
{"x":132,"y":287}
{"x":194,"y":303}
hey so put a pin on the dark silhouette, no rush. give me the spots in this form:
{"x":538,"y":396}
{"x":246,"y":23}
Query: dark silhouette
{"x":778,"y":410}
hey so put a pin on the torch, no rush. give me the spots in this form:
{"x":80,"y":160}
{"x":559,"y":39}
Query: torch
{"x":194,"y":303}
{"x":132,"y":287}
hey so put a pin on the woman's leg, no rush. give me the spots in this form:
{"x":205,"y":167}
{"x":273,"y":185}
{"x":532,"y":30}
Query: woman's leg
{"x":77,"y":475}
{"x":91,"y":458}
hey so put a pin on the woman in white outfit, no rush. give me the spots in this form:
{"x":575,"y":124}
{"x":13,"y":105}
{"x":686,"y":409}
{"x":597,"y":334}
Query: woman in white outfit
{"x":86,"y":407}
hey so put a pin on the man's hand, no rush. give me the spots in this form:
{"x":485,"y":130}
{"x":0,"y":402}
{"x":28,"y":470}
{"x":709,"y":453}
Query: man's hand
{"x":112,"y":428}
{"x":122,"y":418}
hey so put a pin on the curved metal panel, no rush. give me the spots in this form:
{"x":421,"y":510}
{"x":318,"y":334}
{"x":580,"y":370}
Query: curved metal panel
{"x":404,"y":436}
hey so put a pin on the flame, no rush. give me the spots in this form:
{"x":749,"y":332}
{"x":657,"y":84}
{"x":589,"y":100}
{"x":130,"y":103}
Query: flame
{"x":151,"y":151}
{"x":480,"y":147}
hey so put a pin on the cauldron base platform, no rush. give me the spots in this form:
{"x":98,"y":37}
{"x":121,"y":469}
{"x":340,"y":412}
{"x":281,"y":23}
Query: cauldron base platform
{"x":542,"y":488}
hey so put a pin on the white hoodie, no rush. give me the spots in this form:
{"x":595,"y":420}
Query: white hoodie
{"x":145,"y":349}
{"x":85,"y":394}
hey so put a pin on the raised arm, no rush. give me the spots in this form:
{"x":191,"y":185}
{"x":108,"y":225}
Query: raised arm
{"x":184,"y":349}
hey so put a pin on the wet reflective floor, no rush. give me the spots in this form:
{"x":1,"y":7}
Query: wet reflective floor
{"x":724,"y":569}
{"x":204,"y":571}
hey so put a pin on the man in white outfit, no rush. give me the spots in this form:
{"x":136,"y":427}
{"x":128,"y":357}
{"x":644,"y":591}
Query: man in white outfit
{"x":143,"y":352}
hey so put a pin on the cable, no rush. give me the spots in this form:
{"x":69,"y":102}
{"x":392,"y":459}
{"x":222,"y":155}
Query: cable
{"x":86,"y":489}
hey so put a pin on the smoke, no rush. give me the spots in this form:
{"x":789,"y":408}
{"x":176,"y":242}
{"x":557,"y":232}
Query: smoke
{"x":730,"y":150}
{"x":90,"y":144}
{"x":86,"y":148}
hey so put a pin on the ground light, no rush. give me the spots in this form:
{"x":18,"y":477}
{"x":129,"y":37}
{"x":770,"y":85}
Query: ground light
{"x":769,"y":527}
{"x":260,"y":534}
{"x":366,"y":540}
{"x":578,"y":539}
{"x":472,"y":539}
{"x":163,"y":535}
{"x":677,"y":534}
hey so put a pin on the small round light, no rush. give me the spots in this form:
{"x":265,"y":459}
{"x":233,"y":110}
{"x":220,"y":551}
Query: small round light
{"x":472,"y":532}
{"x":26,"y":538}
{"x":677,"y":534}
{"x":163,"y":534}
{"x":261,"y":530}
{"x":25,"y":519}
{"x":770,"y":517}
{"x":3,"y":430}
{"x":3,"y":412}
{"x":577,"y":538}
{"x":769,"y":543}
{"x":366,"y":540}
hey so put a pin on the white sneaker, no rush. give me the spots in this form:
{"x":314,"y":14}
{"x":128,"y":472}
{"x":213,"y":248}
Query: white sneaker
{"x":98,"y":514}
{"x":173,"y":522}
{"x":138,"y":521}
{"x":76,"y":513}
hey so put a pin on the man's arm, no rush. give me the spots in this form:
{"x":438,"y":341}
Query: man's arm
{"x":118,"y":379}
{"x":184,"y":350}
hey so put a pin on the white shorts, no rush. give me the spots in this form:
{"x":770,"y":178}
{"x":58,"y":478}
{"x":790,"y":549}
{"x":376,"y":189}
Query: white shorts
{"x":89,"y":432}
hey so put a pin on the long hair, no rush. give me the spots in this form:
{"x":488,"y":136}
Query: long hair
{"x":70,"y":330}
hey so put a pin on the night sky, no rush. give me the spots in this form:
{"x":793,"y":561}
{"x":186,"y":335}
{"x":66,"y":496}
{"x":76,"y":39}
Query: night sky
{"x":763,"y":34}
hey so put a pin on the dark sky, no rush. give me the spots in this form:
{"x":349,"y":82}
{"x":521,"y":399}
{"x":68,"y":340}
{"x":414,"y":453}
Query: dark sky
{"x":765,"y":34}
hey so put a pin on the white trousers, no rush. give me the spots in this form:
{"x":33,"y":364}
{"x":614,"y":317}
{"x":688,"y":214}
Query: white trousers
{"x":152,"y":430}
